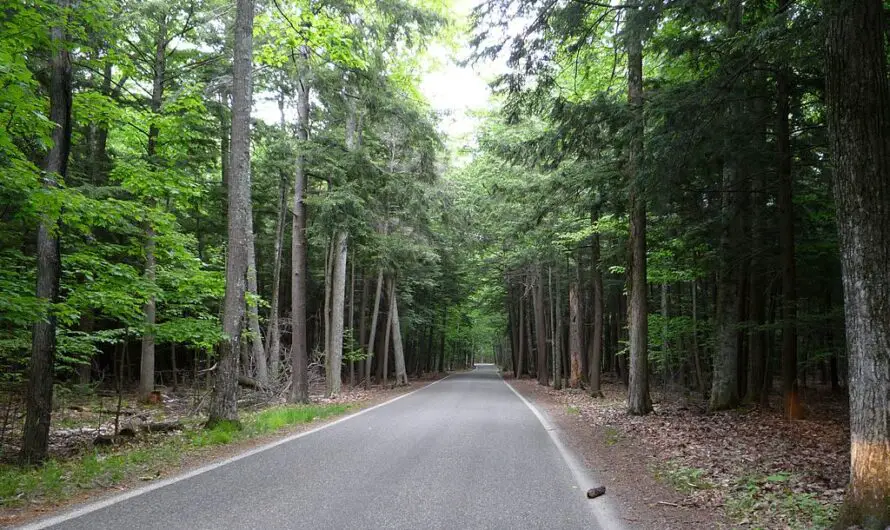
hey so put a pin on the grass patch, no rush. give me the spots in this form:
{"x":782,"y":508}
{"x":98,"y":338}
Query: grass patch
{"x":57,"y":480}
{"x":772,"y":495}
{"x":571,"y":409}
{"x":681,"y":478}
{"x":612,"y":436}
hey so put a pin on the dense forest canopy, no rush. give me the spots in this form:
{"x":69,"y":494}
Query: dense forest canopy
{"x":683,"y":193}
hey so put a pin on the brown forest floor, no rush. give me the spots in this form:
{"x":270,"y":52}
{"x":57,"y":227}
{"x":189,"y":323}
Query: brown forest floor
{"x":748,"y":468}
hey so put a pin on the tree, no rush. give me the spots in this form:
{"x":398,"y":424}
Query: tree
{"x":224,"y":403}
{"x":39,"y":393}
{"x":638,"y":401}
{"x":858,"y":95}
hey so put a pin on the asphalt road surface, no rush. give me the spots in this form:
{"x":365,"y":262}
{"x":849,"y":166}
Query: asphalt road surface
{"x":463,"y":453}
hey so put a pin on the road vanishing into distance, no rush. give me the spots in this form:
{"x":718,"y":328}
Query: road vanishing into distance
{"x":463,"y":453}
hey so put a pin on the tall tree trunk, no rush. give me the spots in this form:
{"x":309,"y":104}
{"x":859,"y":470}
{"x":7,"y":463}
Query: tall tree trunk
{"x":257,"y":351}
{"x":555,"y":330}
{"x":39,"y":391}
{"x":299,"y":245}
{"x":224,"y":403}
{"x":147,"y":365}
{"x":363,"y":328}
{"x":520,"y":367}
{"x":757,"y":286}
{"x":273,"y":336}
{"x":373,"y":335}
{"x":338,"y":302}
{"x":351,"y":313}
{"x":785,"y":203}
{"x":387,"y":333}
{"x":574,"y":335}
{"x":859,"y":129}
{"x":595,"y":351}
{"x":398,"y":352}
{"x":638,"y":401}
{"x":540,"y":331}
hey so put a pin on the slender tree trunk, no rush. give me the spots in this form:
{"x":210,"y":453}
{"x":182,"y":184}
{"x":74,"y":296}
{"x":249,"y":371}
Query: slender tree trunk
{"x":338,"y":302}
{"x":595,"y":352}
{"x":374,"y":315}
{"x":556,"y":331}
{"x":540,"y":331}
{"x":147,"y":366}
{"x":273,"y":336}
{"x":638,"y":401}
{"x":387,"y":332}
{"x":785,"y":202}
{"x":858,"y":100}
{"x":39,"y":391}
{"x":352,"y":319}
{"x":521,"y":331}
{"x":299,"y":245}
{"x":224,"y":403}
{"x":696,"y":354}
{"x":757,"y":285}
{"x":574,"y":335}
{"x":398,"y":352}
{"x":363,"y":328}
{"x":257,"y":351}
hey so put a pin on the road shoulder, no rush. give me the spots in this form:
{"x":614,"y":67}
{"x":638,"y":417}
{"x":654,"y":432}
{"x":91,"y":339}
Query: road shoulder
{"x":623,"y":467}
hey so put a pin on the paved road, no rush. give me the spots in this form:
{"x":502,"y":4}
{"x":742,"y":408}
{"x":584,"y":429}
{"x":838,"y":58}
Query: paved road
{"x":463,"y":453}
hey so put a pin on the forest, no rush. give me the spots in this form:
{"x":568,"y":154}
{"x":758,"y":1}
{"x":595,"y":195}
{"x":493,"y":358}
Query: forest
{"x":240,"y":197}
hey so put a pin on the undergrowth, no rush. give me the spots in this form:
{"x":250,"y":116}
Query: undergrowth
{"x":756,"y":496}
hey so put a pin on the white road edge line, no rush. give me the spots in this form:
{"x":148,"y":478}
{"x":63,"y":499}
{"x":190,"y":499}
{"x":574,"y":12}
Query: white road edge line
{"x":602,"y":508}
{"x":92,"y":507}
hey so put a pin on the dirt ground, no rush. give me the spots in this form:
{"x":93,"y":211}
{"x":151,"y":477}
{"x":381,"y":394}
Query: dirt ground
{"x":681,"y":467}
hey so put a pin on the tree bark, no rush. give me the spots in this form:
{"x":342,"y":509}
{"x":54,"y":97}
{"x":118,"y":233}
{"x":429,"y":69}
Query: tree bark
{"x":299,"y":261}
{"x":338,"y":301}
{"x":555,"y":331}
{"x":398,"y":352}
{"x":785,"y":203}
{"x":39,"y":391}
{"x":574,"y":335}
{"x":273,"y":337}
{"x":540,"y":331}
{"x":595,"y":351}
{"x":387,"y":333}
{"x":638,"y":401}
{"x":147,"y":363}
{"x":224,"y":402}
{"x":520,"y":359}
{"x":257,"y":351}
{"x":374,"y":315}
{"x":858,"y":100}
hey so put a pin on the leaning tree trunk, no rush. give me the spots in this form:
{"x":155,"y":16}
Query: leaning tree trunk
{"x":638,"y":401}
{"x":39,"y":392}
{"x":373,"y":333}
{"x":858,"y":100}
{"x":147,"y":363}
{"x":299,"y":270}
{"x":398,"y":351}
{"x":540,"y":331}
{"x":224,"y":402}
{"x":338,"y":302}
